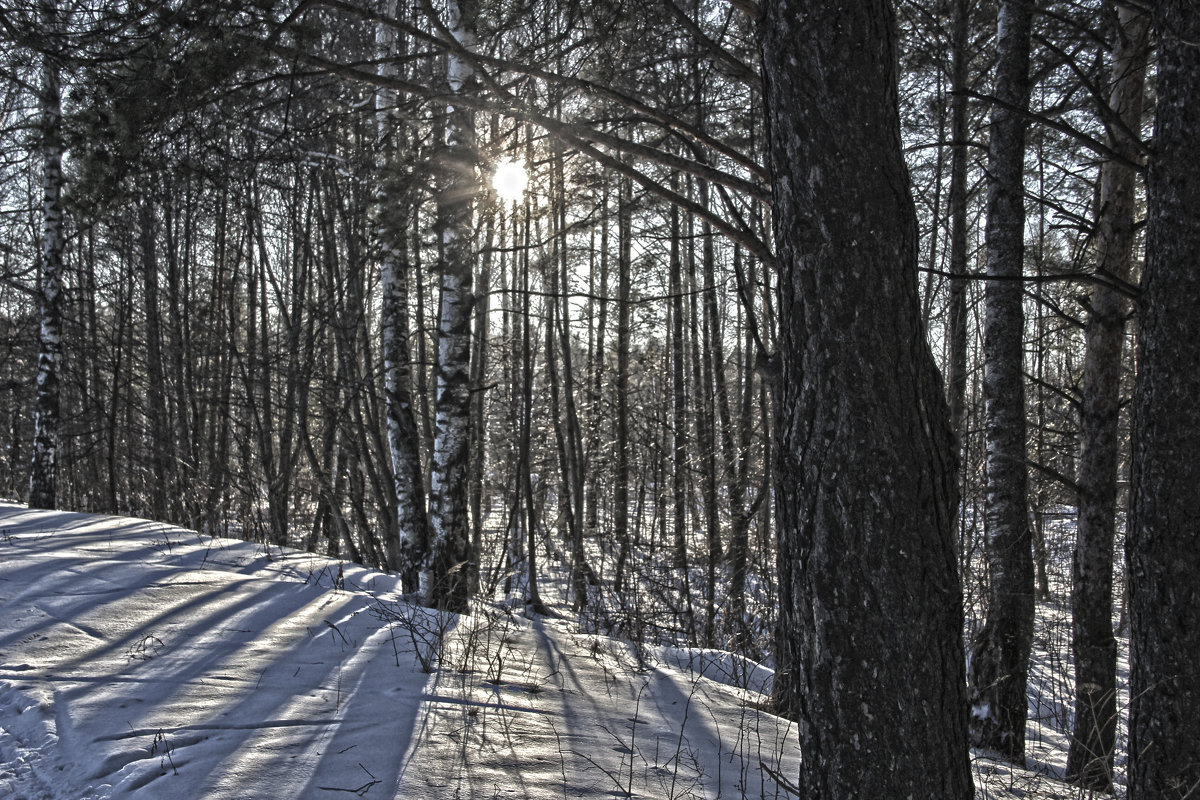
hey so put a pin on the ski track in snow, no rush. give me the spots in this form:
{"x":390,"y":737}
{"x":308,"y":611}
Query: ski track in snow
{"x":138,"y":660}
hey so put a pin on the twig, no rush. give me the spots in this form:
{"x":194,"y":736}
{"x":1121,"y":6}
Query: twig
{"x":782,"y":781}
{"x":338,"y":632}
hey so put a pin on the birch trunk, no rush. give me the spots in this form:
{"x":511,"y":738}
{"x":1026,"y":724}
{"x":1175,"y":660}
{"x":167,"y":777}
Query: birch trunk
{"x":44,"y":467}
{"x":406,"y":551}
{"x":446,"y":580}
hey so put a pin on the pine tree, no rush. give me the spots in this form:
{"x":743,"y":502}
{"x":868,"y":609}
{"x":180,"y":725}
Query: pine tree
{"x":870,"y":625}
{"x":1000,"y":659}
{"x":1090,"y":758}
{"x":1164,"y":596}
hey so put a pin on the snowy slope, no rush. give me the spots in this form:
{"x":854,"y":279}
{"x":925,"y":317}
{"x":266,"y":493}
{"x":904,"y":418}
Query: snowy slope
{"x":144,"y":661}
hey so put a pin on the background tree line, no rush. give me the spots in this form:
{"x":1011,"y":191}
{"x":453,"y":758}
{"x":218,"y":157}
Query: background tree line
{"x":253,"y":260}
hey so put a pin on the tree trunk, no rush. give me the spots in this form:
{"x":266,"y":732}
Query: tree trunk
{"x":1090,"y":757}
{"x":679,"y":425}
{"x":1000,"y":658}
{"x":156,"y":394}
{"x":595,"y":380}
{"x":44,"y":468}
{"x":871,"y":660}
{"x":621,"y":446}
{"x":446,"y":582}
{"x":1164,"y":596}
{"x":570,"y":439}
{"x":533,"y":598}
{"x":956,"y":381}
{"x":739,"y":533}
{"x":406,"y":552}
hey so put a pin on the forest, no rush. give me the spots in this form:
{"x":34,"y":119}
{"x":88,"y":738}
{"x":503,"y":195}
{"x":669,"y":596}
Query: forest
{"x":858,"y":340}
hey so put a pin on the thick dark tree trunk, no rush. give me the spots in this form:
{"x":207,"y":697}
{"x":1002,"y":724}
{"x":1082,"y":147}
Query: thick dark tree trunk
{"x":1000,"y":659}
{"x":1164,"y":560}
{"x":1090,"y":758}
{"x":44,"y":467}
{"x":871,"y":608}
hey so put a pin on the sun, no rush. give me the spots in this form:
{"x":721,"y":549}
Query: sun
{"x":510,"y":180}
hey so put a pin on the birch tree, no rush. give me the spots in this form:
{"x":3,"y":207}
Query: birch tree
{"x":406,"y":552}
{"x":446,"y":580}
{"x":43,"y":472}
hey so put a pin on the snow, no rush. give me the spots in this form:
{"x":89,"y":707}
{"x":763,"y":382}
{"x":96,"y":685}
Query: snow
{"x":140,"y":660}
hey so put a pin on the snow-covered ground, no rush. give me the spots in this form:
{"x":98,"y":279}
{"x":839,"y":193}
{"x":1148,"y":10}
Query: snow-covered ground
{"x":140,"y":660}
{"x":145,"y":661}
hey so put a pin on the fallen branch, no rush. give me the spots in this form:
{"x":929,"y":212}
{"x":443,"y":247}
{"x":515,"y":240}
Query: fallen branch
{"x":783,"y":782}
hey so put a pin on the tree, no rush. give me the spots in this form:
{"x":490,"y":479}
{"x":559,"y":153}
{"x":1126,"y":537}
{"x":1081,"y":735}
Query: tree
{"x":1000,"y":660}
{"x":956,"y":381}
{"x":447,"y":575}
{"x":43,"y":474}
{"x":1090,"y":758}
{"x":621,"y":440}
{"x":871,"y":615}
{"x":407,"y":551}
{"x":1164,"y":597}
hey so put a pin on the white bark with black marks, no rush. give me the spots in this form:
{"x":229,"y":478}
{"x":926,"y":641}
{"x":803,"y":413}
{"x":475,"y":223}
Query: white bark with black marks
{"x":446,"y":580}
{"x":406,"y":550}
{"x":44,"y":467}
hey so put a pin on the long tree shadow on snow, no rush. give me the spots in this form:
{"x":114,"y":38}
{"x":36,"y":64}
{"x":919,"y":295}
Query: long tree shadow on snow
{"x":168,"y":673}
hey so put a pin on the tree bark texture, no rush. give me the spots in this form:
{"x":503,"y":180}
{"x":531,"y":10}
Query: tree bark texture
{"x":161,"y":464}
{"x":957,"y":369}
{"x":1090,"y":757}
{"x":871,"y":607}
{"x":621,"y":444}
{"x":405,"y":552}
{"x":679,"y":394}
{"x":408,"y":551}
{"x":1000,"y":658}
{"x":1164,"y":560}
{"x":43,"y":469}
{"x":447,"y":580}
